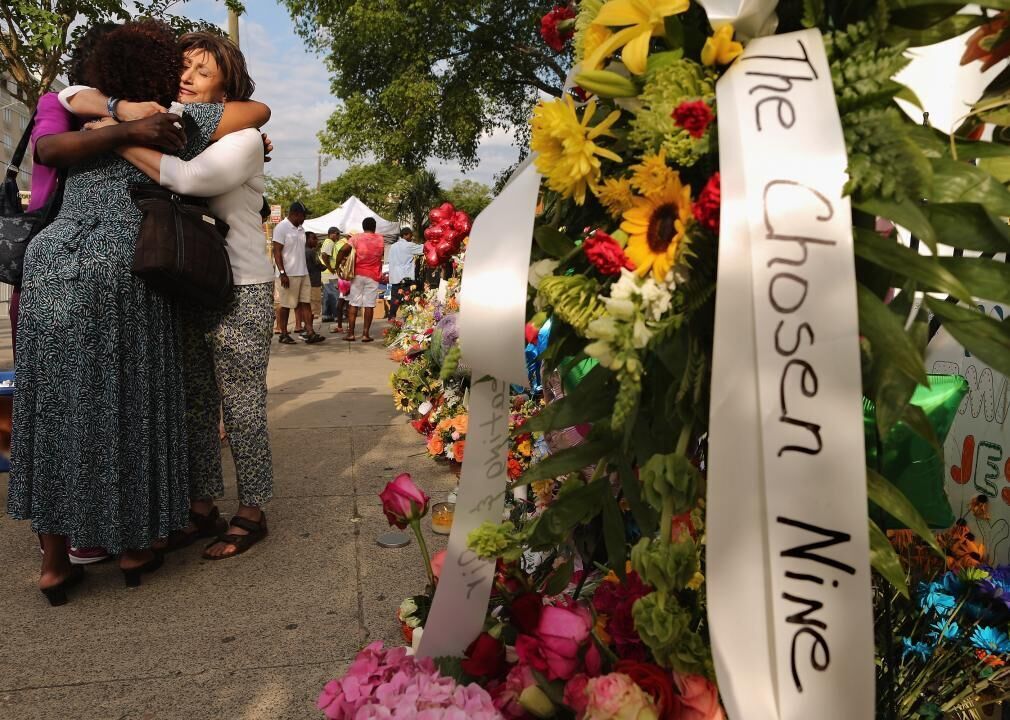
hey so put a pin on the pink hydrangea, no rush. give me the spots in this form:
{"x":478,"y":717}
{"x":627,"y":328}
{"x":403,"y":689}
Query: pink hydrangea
{"x":384,"y":683}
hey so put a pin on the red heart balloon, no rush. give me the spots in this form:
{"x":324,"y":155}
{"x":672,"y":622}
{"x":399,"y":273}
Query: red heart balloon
{"x":445,"y":247}
{"x":461,"y":222}
{"x":434,"y":233}
{"x":443,"y":213}
{"x":431,"y":255}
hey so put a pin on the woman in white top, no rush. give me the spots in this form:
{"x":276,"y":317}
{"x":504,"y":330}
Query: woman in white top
{"x":225,"y":351}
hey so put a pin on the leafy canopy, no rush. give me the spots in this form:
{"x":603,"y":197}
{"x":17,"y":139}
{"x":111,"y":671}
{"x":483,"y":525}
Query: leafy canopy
{"x":469,"y":196}
{"x":424,"y":79}
{"x":35,"y":35}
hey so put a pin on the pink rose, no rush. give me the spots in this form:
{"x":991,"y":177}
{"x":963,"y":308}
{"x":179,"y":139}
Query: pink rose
{"x":698,"y":700}
{"x":617,"y":697}
{"x":403,"y":501}
{"x":556,"y":647}
{"x":506,"y":695}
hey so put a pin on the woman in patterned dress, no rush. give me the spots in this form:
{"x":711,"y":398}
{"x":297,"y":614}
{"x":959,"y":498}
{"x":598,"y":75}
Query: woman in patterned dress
{"x":99,"y":450}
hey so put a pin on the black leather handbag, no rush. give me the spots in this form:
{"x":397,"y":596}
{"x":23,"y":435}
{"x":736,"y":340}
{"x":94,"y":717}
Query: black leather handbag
{"x":181,"y":249}
{"x":17,"y":227}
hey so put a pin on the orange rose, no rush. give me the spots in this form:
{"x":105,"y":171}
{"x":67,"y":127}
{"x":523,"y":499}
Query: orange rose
{"x":457,"y":450}
{"x":435,"y":445}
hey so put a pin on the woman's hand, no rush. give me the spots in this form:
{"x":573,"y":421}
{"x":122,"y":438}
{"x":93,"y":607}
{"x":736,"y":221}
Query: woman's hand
{"x":162,"y":131}
{"x":268,"y":147}
{"x":127,"y":111}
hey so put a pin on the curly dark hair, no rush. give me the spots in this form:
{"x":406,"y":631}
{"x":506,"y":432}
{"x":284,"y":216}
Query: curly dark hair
{"x":137,"y":61}
{"x":79,"y":55}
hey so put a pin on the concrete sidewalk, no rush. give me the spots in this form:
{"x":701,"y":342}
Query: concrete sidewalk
{"x":253,"y":637}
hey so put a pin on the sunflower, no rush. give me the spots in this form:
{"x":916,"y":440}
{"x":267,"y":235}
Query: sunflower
{"x":616,"y":195}
{"x":402,"y":402}
{"x":567,"y":154}
{"x":656,"y":228}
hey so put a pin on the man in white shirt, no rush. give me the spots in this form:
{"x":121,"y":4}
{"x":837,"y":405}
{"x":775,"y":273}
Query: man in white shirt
{"x":293,"y":272}
{"x":402,"y":255}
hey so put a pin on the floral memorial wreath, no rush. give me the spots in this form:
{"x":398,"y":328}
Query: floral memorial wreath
{"x":736,"y":330}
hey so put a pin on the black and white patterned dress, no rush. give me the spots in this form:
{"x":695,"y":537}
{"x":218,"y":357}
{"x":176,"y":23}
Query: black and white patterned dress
{"x":99,"y":439}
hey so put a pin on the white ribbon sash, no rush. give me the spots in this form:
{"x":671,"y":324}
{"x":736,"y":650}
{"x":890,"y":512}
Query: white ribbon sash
{"x":491,"y":330}
{"x":788,"y":553}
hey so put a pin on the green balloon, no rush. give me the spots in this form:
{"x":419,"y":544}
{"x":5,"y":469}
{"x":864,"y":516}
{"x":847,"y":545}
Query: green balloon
{"x":908,"y":460}
{"x":575,"y":373}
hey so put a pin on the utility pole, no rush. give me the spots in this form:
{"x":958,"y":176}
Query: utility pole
{"x":319,"y":171}
{"x":233,"y":26}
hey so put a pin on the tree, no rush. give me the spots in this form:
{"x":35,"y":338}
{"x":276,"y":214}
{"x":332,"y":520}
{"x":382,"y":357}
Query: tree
{"x":423,"y":79}
{"x":286,"y":189}
{"x":469,"y":196}
{"x":35,"y":35}
{"x":377,"y":185}
{"x":419,"y":194}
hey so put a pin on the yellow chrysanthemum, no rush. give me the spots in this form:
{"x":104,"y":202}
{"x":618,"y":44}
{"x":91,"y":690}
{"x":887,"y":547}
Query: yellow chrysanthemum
{"x":652,"y":176}
{"x":641,"y":20}
{"x":656,"y":228}
{"x":615,"y":195}
{"x":592,"y":39}
{"x":568,"y":155}
{"x":720,"y":48}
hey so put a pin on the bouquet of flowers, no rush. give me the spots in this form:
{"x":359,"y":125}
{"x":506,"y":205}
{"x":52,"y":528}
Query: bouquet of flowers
{"x":448,"y":438}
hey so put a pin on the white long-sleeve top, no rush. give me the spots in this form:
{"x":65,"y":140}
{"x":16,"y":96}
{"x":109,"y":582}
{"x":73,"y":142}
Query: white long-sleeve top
{"x":230,"y":174}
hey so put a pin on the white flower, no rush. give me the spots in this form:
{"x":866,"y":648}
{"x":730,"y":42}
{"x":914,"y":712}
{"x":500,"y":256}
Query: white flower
{"x":656,"y":299}
{"x":540,"y":270}
{"x":602,"y":352}
{"x":625,"y":288}
{"x":603,"y":328}
{"x":621,"y":308}
{"x":641,"y":334}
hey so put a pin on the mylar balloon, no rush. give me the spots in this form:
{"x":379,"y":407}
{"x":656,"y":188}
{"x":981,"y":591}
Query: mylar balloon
{"x":431,"y":255}
{"x":908,"y":460}
{"x":434,"y":233}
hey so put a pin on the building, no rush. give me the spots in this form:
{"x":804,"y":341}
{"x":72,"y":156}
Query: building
{"x":13,"y":122}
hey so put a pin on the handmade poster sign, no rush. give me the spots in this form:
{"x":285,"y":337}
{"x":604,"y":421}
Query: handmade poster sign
{"x":977,"y":450}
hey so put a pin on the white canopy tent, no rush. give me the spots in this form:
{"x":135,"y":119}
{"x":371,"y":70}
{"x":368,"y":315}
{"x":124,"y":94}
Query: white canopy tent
{"x":348,"y":217}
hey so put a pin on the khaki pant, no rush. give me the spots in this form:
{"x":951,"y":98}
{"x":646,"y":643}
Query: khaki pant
{"x":317,"y":301}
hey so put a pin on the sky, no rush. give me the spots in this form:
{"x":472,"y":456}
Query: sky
{"x":294,"y":82}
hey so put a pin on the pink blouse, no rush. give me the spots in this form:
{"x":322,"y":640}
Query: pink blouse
{"x":50,"y":119}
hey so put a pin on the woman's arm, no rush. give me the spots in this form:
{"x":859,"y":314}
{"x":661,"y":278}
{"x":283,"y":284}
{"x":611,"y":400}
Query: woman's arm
{"x":72,"y":148}
{"x":223,"y":166}
{"x":238,"y":115}
{"x":84,"y":101}
{"x":241,"y":115}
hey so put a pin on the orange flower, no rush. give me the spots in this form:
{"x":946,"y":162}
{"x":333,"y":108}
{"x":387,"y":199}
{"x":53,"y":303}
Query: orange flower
{"x":457,"y":450}
{"x":600,"y":629}
{"x":460,"y":423}
{"x":988,"y":659}
{"x":979,"y":507}
{"x":435,"y":444}
{"x":901,"y":539}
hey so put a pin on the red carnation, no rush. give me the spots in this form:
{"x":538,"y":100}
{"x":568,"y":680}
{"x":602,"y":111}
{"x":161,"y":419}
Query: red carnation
{"x":558,"y":26}
{"x":616,"y":599}
{"x":695,"y":117}
{"x":606,"y":254}
{"x":484,"y":658}
{"x":706,"y":207}
{"x":515,"y":469}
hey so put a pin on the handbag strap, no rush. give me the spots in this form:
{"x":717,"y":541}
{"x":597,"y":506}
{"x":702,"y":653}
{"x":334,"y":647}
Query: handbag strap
{"x":14,"y":166}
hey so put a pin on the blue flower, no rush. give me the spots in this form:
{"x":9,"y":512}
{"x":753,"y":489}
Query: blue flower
{"x":997,"y":586}
{"x":934,"y":597}
{"x":991,"y":640}
{"x":919,"y":650}
{"x":947,"y":629}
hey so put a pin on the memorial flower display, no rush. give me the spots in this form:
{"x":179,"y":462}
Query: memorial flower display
{"x":600,"y":598}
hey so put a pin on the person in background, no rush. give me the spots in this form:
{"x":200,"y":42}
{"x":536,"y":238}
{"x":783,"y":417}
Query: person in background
{"x":331,"y":294}
{"x":315,"y":280}
{"x":369,"y":248}
{"x":402,"y":261}
{"x":295,"y":291}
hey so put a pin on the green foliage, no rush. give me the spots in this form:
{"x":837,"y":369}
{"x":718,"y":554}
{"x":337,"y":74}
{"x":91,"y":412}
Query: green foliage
{"x":285,"y":189}
{"x":418,"y":193}
{"x":377,"y":185}
{"x":427,"y":78}
{"x":671,"y":479}
{"x":36,"y":35}
{"x":667,"y":566}
{"x":574,"y":298}
{"x":469,"y":196}
{"x":670,"y":632}
{"x":884,"y":160}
